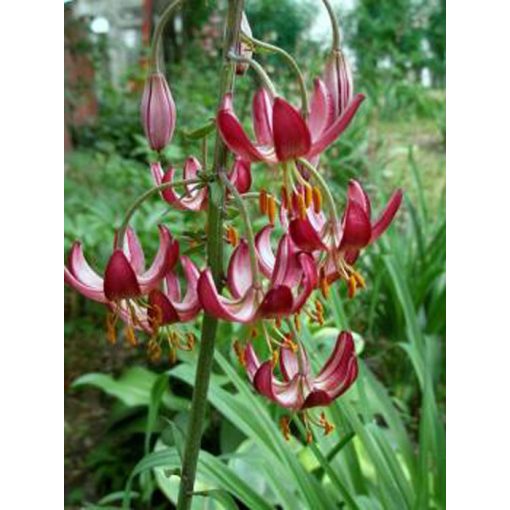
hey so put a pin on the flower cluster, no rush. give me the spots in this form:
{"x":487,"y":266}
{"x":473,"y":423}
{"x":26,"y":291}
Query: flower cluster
{"x":270,"y":284}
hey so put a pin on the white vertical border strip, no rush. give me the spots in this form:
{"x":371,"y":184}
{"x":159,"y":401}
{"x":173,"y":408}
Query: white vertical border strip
{"x":478,"y":260}
{"x":31,"y":205}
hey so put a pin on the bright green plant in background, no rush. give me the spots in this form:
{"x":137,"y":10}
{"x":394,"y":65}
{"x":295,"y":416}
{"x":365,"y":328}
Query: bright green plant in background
{"x":387,"y":450}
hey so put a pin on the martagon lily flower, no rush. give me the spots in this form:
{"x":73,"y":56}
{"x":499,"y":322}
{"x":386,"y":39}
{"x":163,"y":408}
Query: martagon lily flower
{"x":125,"y":280}
{"x":195,"y":196}
{"x":299,"y":390}
{"x":281,"y":132}
{"x":355,"y":231}
{"x":292,"y":274}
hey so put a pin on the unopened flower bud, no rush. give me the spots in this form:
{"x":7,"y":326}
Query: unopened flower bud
{"x":244,"y":49}
{"x":158,"y":111}
{"x":338,"y":80}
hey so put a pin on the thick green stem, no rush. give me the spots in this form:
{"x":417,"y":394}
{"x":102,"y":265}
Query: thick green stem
{"x":250,"y":236}
{"x":158,"y":33}
{"x":215,"y":261}
{"x":334,"y":25}
{"x":305,"y":105}
{"x":138,"y":202}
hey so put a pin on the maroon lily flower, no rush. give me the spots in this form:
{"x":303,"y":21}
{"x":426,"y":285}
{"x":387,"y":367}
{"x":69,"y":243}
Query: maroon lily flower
{"x":355,"y":231}
{"x":281,"y":132}
{"x":125,"y":277}
{"x":299,"y":390}
{"x":158,"y":111}
{"x":293,"y":277}
{"x":195,"y":197}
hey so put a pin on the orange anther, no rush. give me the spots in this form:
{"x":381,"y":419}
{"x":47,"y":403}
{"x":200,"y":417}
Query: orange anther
{"x":301,"y":206}
{"x":130,"y":336}
{"x":263,"y":201}
{"x":276,"y":357}
{"x":285,"y":427}
{"x":317,"y":199}
{"x":308,"y":195}
{"x":297,"y":323}
{"x":285,"y":197}
{"x":271,"y":209}
{"x":240,"y":353}
{"x":351,"y":286}
{"x":111,"y":334}
{"x":360,"y":281}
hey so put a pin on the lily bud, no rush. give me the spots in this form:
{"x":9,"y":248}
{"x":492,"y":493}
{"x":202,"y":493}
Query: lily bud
{"x":244,"y":49}
{"x":158,"y":111}
{"x":338,"y":80}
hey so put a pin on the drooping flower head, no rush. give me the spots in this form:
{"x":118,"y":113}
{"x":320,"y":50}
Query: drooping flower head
{"x":281,"y":132}
{"x":298,"y":389}
{"x":125,"y":281}
{"x":314,"y":234}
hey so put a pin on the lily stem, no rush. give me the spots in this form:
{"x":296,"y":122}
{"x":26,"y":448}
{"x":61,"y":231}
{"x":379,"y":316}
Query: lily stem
{"x":215,"y":262}
{"x":249,"y":227}
{"x":139,"y":201}
{"x":337,"y":40}
{"x":158,"y":33}
{"x":264,"y":78}
{"x":305,"y":105}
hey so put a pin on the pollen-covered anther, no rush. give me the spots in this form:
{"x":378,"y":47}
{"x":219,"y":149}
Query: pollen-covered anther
{"x":129,"y":332}
{"x":285,"y":197}
{"x":308,"y":195}
{"x":284,"y":424}
{"x":309,"y":436}
{"x":351,"y":286}
{"x":317,"y":199}
{"x":290,"y":344}
{"x":360,"y":281}
{"x":263,"y":201}
{"x":271,"y":209}
{"x":275,"y":357}
{"x":326,"y":425}
{"x":232,"y":236}
{"x":154,"y":350}
{"x":323,"y":283}
{"x":111,"y":321}
{"x":240,"y":353}
{"x":189,"y":343}
{"x":301,"y":206}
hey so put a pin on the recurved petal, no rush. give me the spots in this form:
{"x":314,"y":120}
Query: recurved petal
{"x":305,"y":236}
{"x":288,"y":394}
{"x":240,"y":176}
{"x":234,"y":135}
{"x":239,"y":274}
{"x":278,"y":302}
{"x":188,"y":307}
{"x":289,"y":365}
{"x":164,"y":261}
{"x":321,"y":109}
{"x":264,"y":251}
{"x":337,"y":128}
{"x":81,"y":270}
{"x":356,"y":227}
{"x":291,"y":135}
{"x":356,"y":193}
{"x":242,"y":310}
{"x":120,"y":281}
{"x":386,"y":217}
{"x":262,"y":115}
{"x":308,"y":282}
{"x":161,"y":311}
{"x":252,"y":361}
{"x":316,"y":398}
{"x":89,"y":292}
{"x":338,"y":372}
{"x":157,"y":173}
{"x":133,"y":250}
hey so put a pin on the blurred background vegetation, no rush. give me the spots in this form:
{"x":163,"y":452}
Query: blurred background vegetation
{"x":393,"y":423}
